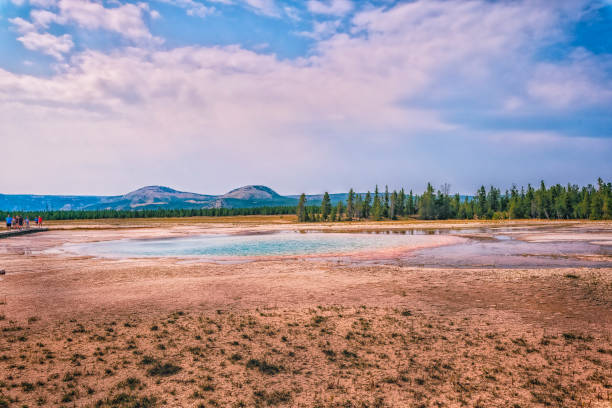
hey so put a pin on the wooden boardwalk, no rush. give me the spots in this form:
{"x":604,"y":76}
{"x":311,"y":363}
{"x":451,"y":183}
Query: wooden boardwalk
{"x":13,"y":233}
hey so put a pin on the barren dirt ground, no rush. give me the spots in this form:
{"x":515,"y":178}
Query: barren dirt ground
{"x":80,"y":331}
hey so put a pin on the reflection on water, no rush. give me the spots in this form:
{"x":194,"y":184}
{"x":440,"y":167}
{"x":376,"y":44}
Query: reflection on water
{"x":470,"y":247}
{"x":501,"y":247}
{"x":511,"y":253}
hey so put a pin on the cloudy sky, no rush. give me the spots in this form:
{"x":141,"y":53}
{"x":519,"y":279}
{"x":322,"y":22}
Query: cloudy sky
{"x":104,"y":96}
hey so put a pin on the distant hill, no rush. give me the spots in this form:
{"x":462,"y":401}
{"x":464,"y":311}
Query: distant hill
{"x":253,"y":196}
{"x":154,"y":197}
{"x":150,"y":197}
{"x":30,"y":202}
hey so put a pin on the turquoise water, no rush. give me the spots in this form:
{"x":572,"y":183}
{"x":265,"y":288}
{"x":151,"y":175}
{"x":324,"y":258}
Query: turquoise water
{"x":411,"y":247}
{"x":229,"y":246}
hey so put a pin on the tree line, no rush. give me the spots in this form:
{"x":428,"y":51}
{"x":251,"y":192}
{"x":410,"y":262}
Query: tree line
{"x":554,"y":202}
{"x":152,"y":213}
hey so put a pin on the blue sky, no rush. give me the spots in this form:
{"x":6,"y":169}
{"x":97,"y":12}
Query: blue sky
{"x":202,"y":95}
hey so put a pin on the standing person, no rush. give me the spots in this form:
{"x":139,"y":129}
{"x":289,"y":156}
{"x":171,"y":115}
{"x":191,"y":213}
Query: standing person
{"x":20,"y":222}
{"x":9,"y":221}
{"x":27,"y":222}
{"x":40,"y":221}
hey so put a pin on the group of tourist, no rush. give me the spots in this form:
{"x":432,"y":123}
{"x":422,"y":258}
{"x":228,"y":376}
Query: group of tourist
{"x":18,"y":222}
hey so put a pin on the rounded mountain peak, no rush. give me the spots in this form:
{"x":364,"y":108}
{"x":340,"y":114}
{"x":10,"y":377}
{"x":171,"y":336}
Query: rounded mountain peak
{"x":150,"y":191}
{"x":252,"y":193}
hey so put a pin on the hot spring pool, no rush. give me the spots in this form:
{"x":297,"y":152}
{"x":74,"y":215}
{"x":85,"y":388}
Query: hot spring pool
{"x":257,"y":245}
{"x":494,"y":247}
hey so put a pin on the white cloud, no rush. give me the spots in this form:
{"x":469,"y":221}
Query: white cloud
{"x":43,"y":18}
{"x":333,"y":7}
{"x":196,"y":8}
{"x":577,"y":83}
{"x":125,"y":20}
{"x":265,"y":7}
{"x":189,"y":111}
{"x":22,"y":26}
{"x":43,"y":3}
{"x":192,"y":7}
{"x":55,"y":46}
{"x":292,"y":12}
{"x":321,"y":29}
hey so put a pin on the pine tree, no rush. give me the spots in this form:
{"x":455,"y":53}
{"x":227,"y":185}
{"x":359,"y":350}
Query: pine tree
{"x":542,"y":202}
{"x":325,"y":206}
{"x":596,"y":207}
{"x":339,"y":211}
{"x":350,"y":207}
{"x":455,"y":205}
{"x":301,"y":208}
{"x":583,"y":210}
{"x":514,"y":209}
{"x":377,"y":206}
{"x":359,"y":207}
{"x":607,"y":208}
{"x":385,"y":209}
{"x":410,"y":206}
{"x":481,"y":196}
{"x":427,"y":204}
{"x":465,"y":210}
{"x":401,"y":203}
{"x":367,"y":203}
{"x":528,"y":209}
{"x":394,"y":205}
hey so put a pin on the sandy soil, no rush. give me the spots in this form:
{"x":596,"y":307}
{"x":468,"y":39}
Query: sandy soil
{"x":78,"y":331}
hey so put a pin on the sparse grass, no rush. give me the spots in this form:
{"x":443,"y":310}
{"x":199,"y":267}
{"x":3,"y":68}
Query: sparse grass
{"x":163,"y":370}
{"x":69,"y":396}
{"x":27,"y":386}
{"x":263,"y":366}
{"x":125,"y":400}
{"x":272,"y":398}
{"x":148,"y":360}
{"x":131,"y":382}
{"x":330,"y":357}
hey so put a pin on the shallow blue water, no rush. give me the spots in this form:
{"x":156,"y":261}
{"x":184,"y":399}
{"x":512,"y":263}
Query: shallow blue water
{"x":275,"y":244}
{"x":502,"y":250}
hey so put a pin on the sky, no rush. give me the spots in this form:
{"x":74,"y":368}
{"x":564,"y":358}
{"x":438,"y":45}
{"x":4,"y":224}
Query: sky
{"x":105,"y":96}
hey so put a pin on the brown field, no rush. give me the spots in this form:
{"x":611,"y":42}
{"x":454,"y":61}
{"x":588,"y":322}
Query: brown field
{"x":79,"y":331}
